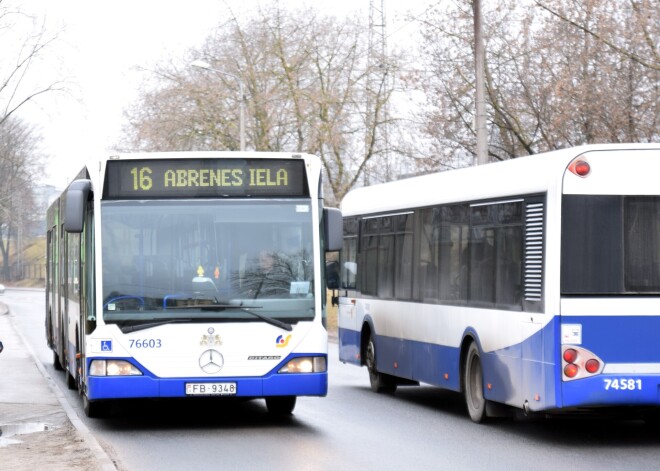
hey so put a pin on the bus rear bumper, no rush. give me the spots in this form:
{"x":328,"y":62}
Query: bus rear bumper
{"x":606,"y":390}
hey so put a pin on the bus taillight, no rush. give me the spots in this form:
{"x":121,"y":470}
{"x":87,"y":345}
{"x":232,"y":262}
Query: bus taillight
{"x":578,"y":362}
{"x":580,"y":167}
{"x":592,"y":365}
{"x":570,"y":355}
{"x":571,"y":370}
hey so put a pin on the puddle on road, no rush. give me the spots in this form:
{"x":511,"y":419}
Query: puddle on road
{"x":10,"y":430}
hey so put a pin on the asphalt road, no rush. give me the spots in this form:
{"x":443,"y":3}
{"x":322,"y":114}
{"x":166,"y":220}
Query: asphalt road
{"x":352,"y":428}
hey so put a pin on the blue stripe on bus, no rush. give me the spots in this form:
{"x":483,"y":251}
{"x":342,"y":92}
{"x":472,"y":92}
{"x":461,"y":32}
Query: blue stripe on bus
{"x":531,"y":371}
{"x":520,"y":372}
{"x":640,"y":390}
{"x":151,"y":386}
{"x":620,"y":339}
{"x":419,"y":361}
{"x":349,"y":346}
{"x":616,"y":339}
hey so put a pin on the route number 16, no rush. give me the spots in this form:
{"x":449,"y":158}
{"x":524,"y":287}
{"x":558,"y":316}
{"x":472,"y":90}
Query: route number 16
{"x":141,"y":178}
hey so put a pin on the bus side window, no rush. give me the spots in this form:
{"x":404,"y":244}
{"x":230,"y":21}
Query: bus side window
{"x":348,"y":255}
{"x":349,"y":264}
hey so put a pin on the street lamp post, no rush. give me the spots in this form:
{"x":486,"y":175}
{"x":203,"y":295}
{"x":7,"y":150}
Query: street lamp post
{"x":241,"y":124}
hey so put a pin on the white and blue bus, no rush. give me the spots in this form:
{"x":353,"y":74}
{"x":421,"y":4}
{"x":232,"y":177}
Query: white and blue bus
{"x":532,"y":283}
{"x":191,"y":274}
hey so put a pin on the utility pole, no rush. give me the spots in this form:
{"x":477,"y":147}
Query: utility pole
{"x":241,"y":104}
{"x":378,"y":81}
{"x":480,"y":95}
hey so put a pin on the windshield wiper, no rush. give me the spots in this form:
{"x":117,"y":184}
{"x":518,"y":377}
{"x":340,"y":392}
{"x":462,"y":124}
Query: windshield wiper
{"x":270,"y":320}
{"x":222,"y":307}
{"x":134,"y":328}
{"x":210,"y":307}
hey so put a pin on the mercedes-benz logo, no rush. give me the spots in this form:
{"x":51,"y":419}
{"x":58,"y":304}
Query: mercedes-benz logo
{"x":211,"y":361}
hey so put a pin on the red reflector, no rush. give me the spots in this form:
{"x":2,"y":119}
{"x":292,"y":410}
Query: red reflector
{"x":571,"y":370}
{"x":582,"y":168}
{"x":592,"y":365}
{"x":570,"y":355}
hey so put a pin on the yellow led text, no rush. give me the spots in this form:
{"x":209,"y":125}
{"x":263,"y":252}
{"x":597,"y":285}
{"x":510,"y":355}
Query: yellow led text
{"x":203,"y":177}
{"x":266,"y":177}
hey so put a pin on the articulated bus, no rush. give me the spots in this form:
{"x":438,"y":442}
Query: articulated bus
{"x":531,"y":284}
{"x":191,"y":274}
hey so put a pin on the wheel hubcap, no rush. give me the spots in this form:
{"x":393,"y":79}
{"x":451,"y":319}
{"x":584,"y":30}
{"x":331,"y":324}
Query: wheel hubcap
{"x":476,"y":393}
{"x":370,"y":356}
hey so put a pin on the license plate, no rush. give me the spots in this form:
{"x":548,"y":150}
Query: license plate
{"x":210,"y":389}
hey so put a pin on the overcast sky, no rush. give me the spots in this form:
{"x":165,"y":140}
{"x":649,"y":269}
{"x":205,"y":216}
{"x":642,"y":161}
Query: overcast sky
{"x":103,"y":45}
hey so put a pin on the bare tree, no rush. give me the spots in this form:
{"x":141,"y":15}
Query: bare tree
{"x":19,"y":161}
{"x":304,"y":78}
{"x":23,"y":45}
{"x":549,"y":83}
{"x":642,"y":20}
{"x":615,"y":45}
{"x":22,"y":53}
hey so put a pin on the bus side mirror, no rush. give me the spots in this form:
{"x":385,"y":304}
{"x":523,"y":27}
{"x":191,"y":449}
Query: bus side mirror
{"x":74,"y":211}
{"x":333,"y":229}
{"x":332,"y":275}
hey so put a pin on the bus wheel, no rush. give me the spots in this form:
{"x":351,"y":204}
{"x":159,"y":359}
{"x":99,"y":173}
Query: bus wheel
{"x":57,"y":364}
{"x":72,"y":376}
{"x":71,"y":380}
{"x":380,"y":382}
{"x":95,"y":409}
{"x":474,"y":385}
{"x":281,"y":405}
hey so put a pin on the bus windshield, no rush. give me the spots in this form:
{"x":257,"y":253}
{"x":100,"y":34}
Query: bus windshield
{"x":199,"y":260}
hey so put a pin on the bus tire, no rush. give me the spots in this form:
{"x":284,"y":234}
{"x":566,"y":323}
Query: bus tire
{"x":380,"y":382}
{"x":57,"y":364}
{"x":473,"y":383}
{"x":95,"y":409}
{"x":72,"y":376}
{"x":71,"y":381}
{"x":280,"y":405}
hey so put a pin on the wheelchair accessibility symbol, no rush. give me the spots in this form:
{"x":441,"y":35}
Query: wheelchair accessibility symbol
{"x":106,"y":345}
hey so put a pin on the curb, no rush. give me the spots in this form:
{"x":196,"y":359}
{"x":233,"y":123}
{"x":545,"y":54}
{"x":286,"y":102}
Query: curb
{"x":99,"y":453}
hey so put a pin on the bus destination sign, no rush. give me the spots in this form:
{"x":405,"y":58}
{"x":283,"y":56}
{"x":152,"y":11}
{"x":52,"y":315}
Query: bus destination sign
{"x":204,"y":178}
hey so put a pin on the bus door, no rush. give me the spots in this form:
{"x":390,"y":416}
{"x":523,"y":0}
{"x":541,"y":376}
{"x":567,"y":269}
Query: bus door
{"x":61,"y":293}
{"x":348,"y":328}
{"x":348,"y":331}
{"x":52,"y":328}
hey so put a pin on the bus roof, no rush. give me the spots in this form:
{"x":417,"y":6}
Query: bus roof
{"x":519,"y":176}
{"x":208,"y":154}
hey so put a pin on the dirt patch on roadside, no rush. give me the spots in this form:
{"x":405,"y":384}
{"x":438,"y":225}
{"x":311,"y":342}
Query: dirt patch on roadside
{"x":62,"y":449}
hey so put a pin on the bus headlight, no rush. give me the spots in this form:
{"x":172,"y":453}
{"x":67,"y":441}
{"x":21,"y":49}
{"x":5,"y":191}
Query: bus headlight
{"x":305,"y":365}
{"x":112,"y":368}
